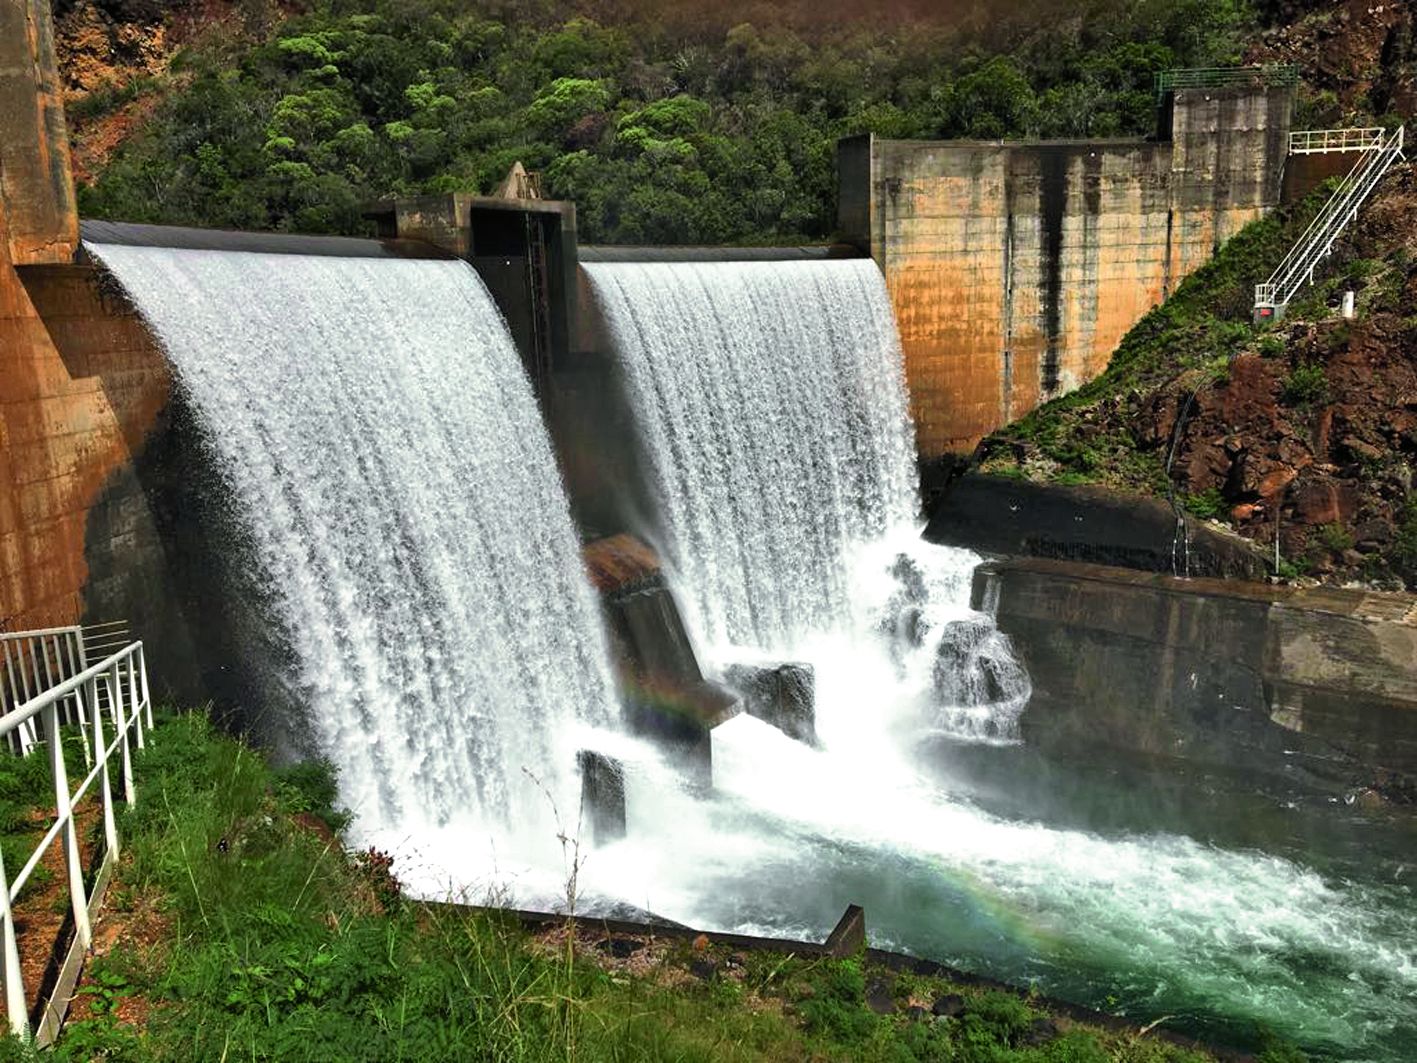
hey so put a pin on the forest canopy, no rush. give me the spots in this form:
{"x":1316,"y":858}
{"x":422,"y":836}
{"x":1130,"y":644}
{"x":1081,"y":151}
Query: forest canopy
{"x":678,"y":123}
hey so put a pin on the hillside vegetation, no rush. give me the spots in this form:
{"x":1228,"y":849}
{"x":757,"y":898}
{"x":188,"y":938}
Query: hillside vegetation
{"x":665,"y":123}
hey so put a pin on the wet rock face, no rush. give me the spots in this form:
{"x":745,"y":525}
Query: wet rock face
{"x":968,"y":641}
{"x":602,"y":796}
{"x":783,"y":695}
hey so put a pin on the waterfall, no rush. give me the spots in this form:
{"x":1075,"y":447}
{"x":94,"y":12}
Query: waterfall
{"x":389,"y":472}
{"x":771,"y":402}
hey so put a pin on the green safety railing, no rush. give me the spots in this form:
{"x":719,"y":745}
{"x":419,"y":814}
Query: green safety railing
{"x":1275,"y":74}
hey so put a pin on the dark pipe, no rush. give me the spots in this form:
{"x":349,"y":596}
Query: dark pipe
{"x":589,"y":253}
{"x":128,"y":234}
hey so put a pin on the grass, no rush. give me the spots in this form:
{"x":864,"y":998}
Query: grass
{"x":245,"y":931}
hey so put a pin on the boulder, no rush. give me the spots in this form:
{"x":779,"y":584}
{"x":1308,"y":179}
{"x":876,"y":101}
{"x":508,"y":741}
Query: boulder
{"x":783,"y":695}
{"x":880,"y":996}
{"x":602,"y":796}
{"x":948,"y":1006}
{"x":1323,"y":501}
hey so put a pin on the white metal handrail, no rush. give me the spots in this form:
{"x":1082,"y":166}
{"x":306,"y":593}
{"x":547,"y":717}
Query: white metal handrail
{"x":1317,"y":141}
{"x":32,"y":662}
{"x":123,"y":679}
{"x":1297,"y":268}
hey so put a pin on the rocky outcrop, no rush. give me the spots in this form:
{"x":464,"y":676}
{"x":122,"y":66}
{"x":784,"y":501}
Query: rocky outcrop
{"x":1359,"y":56}
{"x":115,"y":58}
{"x":1317,"y":445}
{"x":105,"y":45}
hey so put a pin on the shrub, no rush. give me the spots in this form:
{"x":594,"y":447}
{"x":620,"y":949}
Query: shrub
{"x":1335,"y":538}
{"x":1271,"y":346}
{"x":1208,"y":504}
{"x":1306,"y":385}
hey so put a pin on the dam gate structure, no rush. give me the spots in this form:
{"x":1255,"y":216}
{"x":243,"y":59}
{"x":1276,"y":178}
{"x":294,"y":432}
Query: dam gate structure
{"x":1016,"y":267}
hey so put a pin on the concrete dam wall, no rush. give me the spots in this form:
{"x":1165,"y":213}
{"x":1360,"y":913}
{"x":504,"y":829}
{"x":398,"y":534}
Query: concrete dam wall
{"x":1260,"y":678}
{"x":82,"y":385}
{"x":1015,"y":268}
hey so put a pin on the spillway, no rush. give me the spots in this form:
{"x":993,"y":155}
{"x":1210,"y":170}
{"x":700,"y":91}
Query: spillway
{"x":389,"y":473}
{"x":771,"y":402}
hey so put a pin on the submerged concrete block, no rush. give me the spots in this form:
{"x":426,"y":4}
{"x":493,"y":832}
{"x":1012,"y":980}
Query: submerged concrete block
{"x":602,"y":796}
{"x":784,"y":695}
{"x":680,"y":720}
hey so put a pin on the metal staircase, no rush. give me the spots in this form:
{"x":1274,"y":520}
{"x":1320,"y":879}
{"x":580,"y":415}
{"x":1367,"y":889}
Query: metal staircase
{"x":1297,"y":269}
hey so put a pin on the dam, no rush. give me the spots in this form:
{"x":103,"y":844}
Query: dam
{"x":477,"y":512}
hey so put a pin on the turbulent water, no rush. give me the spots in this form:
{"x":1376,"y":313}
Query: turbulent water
{"x":771,"y":405}
{"x":390,"y":472}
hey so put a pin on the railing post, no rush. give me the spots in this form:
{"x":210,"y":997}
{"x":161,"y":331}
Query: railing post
{"x":70,"y":833}
{"x":147,"y":694}
{"x":135,"y":704}
{"x":16,"y":1008}
{"x":77,"y":664}
{"x":105,"y":788}
{"x":120,"y":721}
{"x":80,"y":697}
{"x":24,"y":734}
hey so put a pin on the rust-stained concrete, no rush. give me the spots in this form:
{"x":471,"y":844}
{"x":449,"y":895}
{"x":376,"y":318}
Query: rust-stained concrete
{"x":1015,"y":268}
{"x":82,"y":387}
{"x":1304,"y":173}
{"x":36,"y":188}
{"x":81,"y":383}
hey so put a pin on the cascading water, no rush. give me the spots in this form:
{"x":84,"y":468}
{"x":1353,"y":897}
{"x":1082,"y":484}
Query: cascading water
{"x":771,"y":406}
{"x":390,"y":472}
{"x":773,"y":413}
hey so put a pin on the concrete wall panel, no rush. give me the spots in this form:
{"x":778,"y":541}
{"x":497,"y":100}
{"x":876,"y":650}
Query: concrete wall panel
{"x":35,"y":182}
{"x":1015,"y":268}
{"x":1265,"y":678}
